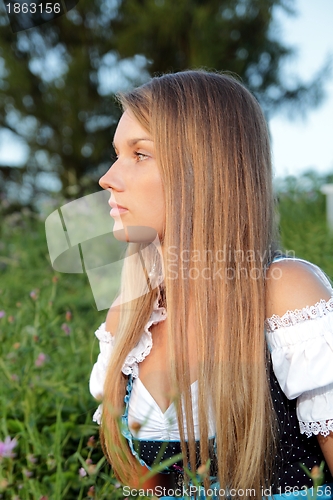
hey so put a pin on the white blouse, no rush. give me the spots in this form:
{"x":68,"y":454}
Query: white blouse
{"x":301,"y":345}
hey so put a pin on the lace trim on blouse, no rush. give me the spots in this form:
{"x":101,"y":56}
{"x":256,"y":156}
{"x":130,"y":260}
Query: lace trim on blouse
{"x":323,"y":428}
{"x":290,"y":318}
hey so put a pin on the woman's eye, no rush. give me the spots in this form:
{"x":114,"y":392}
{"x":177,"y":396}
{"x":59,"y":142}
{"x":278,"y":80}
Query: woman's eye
{"x":141,"y":156}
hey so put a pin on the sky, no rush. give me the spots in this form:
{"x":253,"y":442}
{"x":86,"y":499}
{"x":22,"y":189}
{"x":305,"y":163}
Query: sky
{"x":301,"y":143}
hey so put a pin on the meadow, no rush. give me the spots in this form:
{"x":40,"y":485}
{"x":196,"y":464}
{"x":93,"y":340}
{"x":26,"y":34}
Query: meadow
{"x":49,"y":446}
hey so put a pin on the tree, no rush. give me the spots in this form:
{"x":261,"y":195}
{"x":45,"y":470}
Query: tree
{"x":54,"y":91}
{"x":232,"y":35}
{"x":53,"y":98}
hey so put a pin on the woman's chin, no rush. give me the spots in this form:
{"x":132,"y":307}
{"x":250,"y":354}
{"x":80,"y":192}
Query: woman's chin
{"x":134,"y":234}
{"x":120,"y":234}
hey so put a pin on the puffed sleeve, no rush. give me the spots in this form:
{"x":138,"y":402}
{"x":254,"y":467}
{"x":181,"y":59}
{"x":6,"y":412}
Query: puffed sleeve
{"x":97,"y":377}
{"x":301,"y":345}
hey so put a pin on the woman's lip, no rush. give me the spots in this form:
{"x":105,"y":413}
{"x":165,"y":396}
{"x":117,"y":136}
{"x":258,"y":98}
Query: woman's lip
{"x":113,"y":204}
{"x":117,"y":211}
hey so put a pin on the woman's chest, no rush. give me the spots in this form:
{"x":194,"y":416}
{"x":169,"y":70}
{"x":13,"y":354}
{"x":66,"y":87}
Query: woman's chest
{"x":155,"y":369}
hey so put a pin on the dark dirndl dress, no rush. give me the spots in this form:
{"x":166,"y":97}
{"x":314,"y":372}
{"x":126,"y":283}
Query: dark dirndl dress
{"x":295,"y":448}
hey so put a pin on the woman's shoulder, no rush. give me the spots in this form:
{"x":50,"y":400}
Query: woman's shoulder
{"x":299,"y":327}
{"x":294,"y":284}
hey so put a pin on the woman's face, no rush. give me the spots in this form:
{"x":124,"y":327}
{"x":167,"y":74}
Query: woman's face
{"x":134,"y":181}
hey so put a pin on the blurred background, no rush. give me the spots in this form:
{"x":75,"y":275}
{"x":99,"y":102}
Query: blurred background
{"x":57,"y":119}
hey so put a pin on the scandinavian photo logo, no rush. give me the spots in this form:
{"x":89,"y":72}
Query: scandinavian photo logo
{"x":81,"y":239}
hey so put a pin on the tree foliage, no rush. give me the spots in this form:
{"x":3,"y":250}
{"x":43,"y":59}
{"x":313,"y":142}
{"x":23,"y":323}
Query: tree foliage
{"x":236,"y":36}
{"x":52,"y":98}
{"x":57,"y":80}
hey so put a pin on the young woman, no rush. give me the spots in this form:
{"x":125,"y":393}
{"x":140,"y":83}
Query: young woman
{"x":234,"y":346}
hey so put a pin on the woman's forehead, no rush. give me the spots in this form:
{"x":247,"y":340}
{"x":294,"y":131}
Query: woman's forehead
{"x":130,"y":131}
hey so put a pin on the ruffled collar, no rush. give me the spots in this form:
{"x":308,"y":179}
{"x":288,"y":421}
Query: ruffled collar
{"x":143,"y":347}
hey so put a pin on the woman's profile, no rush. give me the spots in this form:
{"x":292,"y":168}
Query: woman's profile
{"x":225,"y":355}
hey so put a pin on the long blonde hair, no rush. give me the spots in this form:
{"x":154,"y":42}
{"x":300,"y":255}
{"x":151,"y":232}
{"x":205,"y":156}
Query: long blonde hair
{"x":212,"y":148}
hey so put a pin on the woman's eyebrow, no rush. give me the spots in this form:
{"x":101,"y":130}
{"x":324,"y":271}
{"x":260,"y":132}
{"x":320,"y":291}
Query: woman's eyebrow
{"x":132,"y":142}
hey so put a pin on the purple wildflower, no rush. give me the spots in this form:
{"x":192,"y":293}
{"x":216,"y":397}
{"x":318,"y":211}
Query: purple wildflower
{"x":6,"y":447}
{"x":2,"y":314}
{"x":34,"y":294}
{"x":91,"y":443}
{"x":41,"y":359}
{"x":65,"y":328}
{"x":82,"y":472}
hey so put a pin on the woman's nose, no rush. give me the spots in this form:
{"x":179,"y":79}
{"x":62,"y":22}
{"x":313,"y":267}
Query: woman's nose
{"x":103,"y":182}
{"x":111,"y":180}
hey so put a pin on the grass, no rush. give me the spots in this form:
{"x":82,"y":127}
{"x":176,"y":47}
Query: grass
{"x":303,"y":225}
{"x":47,"y":350}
